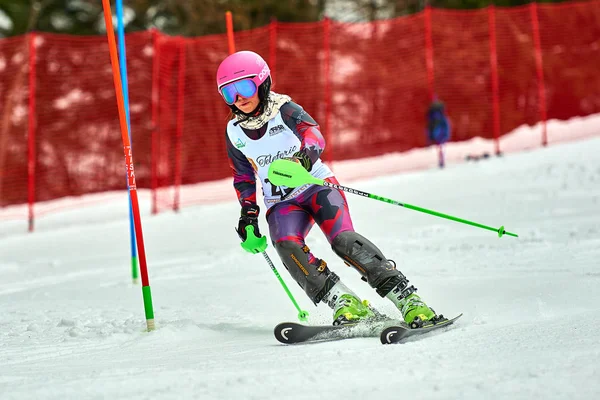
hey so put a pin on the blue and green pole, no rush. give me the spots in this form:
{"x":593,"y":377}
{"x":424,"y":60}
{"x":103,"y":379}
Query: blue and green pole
{"x":123,"y":67}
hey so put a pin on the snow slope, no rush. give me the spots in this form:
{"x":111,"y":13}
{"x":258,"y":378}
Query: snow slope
{"x":72,"y":323}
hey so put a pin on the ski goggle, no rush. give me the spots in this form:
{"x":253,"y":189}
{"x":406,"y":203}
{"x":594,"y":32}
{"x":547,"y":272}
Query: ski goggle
{"x":245,"y":88}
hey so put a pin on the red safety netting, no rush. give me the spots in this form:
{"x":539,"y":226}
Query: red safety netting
{"x":379,"y":91}
{"x":368,"y":85}
{"x":14,"y":121}
{"x":570,"y":45}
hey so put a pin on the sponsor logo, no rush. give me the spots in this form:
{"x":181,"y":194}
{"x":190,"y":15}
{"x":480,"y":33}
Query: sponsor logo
{"x":267,"y":159}
{"x":388,"y":337}
{"x":263,"y":74}
{"x":275,"y":172}
{"x":299,"y":264}
{"x":239,"y":144}
{"x":346,"y":189}
{"x":276,"y":129}
{"x":284,"y":332}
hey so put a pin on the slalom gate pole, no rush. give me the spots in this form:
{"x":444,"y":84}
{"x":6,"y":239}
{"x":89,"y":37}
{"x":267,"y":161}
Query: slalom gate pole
{"x":291,"y":174}
{"x":114,"y":58}
{"x":230,"y":36}
{"x":123,"y":64}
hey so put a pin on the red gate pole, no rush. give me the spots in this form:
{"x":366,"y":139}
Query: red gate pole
{"x":494,"y":77}
{"x":31,"y":157}
{"x":230,"y":37}
{"x":114,"y":58}
{"x":539,"y":66}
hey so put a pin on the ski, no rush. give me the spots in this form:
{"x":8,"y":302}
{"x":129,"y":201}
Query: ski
{"x":293,"y":332}
{"x":397,"y":333}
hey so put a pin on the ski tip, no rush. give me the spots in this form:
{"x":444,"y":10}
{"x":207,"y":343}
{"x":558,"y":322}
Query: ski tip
{"x":390,"y":335}
{"x":280,"y":332}
{"x":395,"y":334}
{"x":283,"y":331}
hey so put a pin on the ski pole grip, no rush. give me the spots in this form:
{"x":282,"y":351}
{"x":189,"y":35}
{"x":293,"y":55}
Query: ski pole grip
{"x":254,"y":244}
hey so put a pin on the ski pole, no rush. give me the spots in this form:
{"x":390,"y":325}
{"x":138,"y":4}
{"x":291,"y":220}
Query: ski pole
{"x":302,"y":315}
{"x":291,"y":174}
{"x":255,"y":244}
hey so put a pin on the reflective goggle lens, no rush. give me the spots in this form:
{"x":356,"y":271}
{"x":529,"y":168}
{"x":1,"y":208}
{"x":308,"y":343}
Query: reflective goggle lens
{"x":245,"y":88}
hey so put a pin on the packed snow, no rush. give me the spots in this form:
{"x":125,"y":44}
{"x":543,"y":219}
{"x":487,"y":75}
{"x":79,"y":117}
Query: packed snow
{"x":72,"y":323}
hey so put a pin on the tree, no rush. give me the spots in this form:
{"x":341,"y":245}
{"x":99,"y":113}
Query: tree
{"x":175,"y":17}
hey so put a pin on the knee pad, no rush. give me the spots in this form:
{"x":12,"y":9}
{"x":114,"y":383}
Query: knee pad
{"x":314,"y":278}
{"x":358,"y":252}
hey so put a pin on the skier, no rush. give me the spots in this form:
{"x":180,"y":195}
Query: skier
{"x":267,"y":126}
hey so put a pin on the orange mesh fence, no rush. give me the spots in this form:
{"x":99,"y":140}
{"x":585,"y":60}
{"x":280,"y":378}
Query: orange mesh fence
{"x":368,"y":85}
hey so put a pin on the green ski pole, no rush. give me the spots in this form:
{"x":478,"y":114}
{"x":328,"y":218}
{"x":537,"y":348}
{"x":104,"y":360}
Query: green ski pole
{"x":302,"y":315}
{"x":255,"y":245}
{"x":291,"y":174}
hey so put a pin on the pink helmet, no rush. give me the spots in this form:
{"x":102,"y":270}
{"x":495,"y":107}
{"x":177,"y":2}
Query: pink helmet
{"x":240,"y":65}
{"x":245,"y":64}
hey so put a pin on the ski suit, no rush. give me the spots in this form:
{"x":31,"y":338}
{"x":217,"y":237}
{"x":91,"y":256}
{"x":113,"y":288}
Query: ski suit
{"x":291,"y":212}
